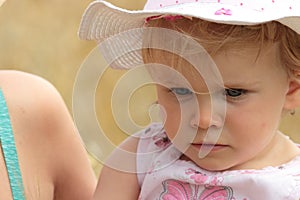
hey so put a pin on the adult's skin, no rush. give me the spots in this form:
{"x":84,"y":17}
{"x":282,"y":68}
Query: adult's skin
{"x":53,"y":162}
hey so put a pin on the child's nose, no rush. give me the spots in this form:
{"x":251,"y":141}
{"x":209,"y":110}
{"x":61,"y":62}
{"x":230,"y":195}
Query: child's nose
{"x":204,"y":116}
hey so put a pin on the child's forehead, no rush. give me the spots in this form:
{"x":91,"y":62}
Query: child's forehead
{"x":212,"y":37}
{"x":230,"y":65}
{"x":195,"y":61}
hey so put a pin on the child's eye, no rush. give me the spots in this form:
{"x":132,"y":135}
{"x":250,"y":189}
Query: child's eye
{"x":181,"y":91}
{"x":234,"y":93}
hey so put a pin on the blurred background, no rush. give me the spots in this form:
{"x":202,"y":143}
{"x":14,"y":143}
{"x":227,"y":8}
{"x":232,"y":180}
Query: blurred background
{"x":40,"y":37}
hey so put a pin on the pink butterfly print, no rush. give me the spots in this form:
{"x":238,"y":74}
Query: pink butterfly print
{"x":177,"y":190}
{"x":217,"y":193}
{"x":201,"y":178}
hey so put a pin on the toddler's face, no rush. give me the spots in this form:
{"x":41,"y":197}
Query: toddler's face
{"x":255,"y":88}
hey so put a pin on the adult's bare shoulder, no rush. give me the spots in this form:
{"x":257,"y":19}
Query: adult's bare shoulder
{"x":29,"y":96}
{"x":49,"y":146}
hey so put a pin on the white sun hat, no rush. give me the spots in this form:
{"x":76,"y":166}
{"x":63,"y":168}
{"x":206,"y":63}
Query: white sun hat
{"x":102,"y":20}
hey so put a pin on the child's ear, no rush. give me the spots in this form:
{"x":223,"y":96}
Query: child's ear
{"x":293,"y":95}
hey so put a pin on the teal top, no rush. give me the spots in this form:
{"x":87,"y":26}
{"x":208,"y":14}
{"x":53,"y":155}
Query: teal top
{"x":9,"y":150}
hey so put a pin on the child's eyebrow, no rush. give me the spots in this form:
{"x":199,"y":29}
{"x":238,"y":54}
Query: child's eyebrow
{"x":244,"y":83}
{"x":171,"y":79}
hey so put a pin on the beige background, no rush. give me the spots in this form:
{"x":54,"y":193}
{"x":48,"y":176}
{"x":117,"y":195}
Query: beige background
{"x":40,"y":37}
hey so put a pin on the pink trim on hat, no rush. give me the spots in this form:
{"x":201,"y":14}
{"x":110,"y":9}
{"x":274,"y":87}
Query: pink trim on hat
{"x":166,"y":17}
{"x":152,"y":18}
{"x":172,"y":17}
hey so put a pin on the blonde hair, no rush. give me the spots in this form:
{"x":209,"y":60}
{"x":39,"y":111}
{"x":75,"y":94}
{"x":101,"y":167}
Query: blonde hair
{"x":215,"y":37}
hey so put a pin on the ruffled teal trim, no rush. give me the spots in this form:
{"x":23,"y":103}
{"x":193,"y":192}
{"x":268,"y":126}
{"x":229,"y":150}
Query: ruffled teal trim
{"x":9,"y":152}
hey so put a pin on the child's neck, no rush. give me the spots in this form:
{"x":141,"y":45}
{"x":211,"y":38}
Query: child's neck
{"x":280,"y":151}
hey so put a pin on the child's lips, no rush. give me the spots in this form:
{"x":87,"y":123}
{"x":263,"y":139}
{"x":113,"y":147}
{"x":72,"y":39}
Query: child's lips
{"x":212,"y":147}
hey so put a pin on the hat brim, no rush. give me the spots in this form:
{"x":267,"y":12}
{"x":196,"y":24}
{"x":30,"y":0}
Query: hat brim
{"x":102,"y":19}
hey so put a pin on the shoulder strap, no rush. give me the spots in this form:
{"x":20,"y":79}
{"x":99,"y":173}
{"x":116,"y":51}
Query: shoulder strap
{"x":9,"y":152}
